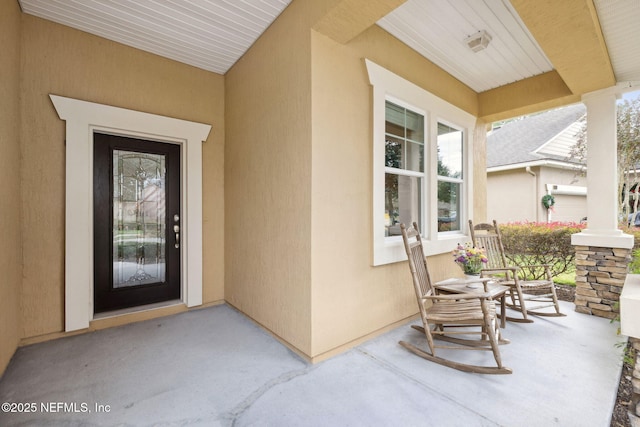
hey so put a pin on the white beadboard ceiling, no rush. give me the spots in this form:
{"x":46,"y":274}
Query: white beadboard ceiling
{"x":214,"y":34}
{"x":208,"y":34}
{"x":437,"y":30}
{"x":620,"y":21}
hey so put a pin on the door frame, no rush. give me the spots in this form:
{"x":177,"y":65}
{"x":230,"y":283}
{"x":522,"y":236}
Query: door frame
{"x":83,"y":118}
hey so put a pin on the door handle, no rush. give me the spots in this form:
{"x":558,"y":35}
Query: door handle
{"x":176,"y":229}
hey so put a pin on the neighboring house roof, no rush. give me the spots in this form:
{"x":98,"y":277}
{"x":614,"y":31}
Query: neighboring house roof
{"x":545,"y":137}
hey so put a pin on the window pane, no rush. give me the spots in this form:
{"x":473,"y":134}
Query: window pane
{"x":403,"y":202}
{"x":448,"y":206}
{"x":403,"y":154}
{"x":415,"y":157}
{"x":415,"y":126}
{"x":394,"y":124}
{"x":393,"y":152}
{"x":449,"y":151}
{"x":404,"y":138}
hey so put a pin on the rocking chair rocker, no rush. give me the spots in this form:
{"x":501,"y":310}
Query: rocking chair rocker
{"x":445,"y":316}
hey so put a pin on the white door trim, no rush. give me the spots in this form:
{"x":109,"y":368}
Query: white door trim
{"x":82,"y":119}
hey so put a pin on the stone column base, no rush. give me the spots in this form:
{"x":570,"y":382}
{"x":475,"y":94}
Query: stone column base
{"x":600,"y":275}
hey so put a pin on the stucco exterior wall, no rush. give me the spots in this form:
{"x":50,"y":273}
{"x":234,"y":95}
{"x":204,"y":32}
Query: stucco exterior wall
{"x":299,"y":183}
{"x":350,"y":298}
{"x":510,"y":196}
{"x":268,"y":180}
{"x":516,"y":195}
{"x":59,"y":60}
{"x":567,"y":208}
{"x":479,"y":173}
{"x":10,"y":220}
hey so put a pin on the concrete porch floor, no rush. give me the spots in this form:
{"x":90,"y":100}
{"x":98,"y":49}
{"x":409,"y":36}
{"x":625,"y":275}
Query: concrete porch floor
{"x":215,"y":367}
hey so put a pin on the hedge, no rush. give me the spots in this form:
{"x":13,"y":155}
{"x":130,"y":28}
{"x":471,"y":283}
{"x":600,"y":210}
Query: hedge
{"x":634,"y":266}
{"x":535,"y":243}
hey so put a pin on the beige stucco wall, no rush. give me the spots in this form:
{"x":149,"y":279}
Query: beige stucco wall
{"x":298,"y":182}
{"x":516,"y":195}
{"x":10,"y":218}
{"x":59,"y":60}
{"x":268,"y":180}
{"x":567,"y":208}
{"x":479,"y":173}
{"x":510,"y":196}
{"x":350,"y":298}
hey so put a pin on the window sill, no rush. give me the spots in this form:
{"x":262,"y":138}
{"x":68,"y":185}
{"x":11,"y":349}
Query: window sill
{"x":392,"y":248}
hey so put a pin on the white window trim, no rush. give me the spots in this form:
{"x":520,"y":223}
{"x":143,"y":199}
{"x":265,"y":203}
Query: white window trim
{"x":82,"y":120}
{"x":390,"y":86}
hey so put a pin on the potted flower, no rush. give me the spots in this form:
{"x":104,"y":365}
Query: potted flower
{"x":470,"y":259}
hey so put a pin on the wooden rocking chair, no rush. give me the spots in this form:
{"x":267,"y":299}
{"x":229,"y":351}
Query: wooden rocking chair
{"x":540,"y":292}
{"x":445,"y":316}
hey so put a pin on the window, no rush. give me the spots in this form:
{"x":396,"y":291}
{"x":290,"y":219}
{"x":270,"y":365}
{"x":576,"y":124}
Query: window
{"x":450,"y":174}
{"x":404,"y":167}
{"x":421,"y":169}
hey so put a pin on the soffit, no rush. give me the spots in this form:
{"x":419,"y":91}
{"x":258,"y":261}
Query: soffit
{"x":437,"y":30}
{"x":208,"y":34}
{"x":619,"y":21}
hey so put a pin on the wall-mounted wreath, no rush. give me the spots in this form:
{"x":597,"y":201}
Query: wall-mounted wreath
{"x":548,"y":201}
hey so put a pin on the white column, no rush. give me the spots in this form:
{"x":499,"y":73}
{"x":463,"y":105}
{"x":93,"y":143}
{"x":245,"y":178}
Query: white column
{"x":602,"y":175}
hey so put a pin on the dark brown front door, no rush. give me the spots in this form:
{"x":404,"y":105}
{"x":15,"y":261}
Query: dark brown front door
{"x":136,"y":205}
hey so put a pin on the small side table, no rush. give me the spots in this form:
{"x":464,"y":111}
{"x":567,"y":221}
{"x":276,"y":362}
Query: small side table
{"x":465,"y":286}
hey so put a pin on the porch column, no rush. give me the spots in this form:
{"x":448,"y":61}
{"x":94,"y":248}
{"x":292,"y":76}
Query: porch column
{"x":602,"y":250}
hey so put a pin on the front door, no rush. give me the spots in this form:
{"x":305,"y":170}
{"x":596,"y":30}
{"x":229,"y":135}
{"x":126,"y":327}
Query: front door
{"x":136,"y":216}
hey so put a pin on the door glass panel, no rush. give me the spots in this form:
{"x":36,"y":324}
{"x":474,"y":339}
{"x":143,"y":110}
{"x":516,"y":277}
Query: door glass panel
{"x":138,"y":218}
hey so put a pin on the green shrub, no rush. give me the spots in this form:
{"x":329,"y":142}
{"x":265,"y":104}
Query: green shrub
{"x":535,"y":243}
{"x":635,"y":232}
{"x":634,"y":265}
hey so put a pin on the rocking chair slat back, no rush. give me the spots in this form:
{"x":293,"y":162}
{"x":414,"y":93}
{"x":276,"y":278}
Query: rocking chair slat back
{"x":488,"y":237}
{"x":418,"y":266}
{"x":489,"y":240}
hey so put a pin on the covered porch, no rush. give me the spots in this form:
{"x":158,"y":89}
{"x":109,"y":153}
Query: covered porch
{"x":214,"y":366}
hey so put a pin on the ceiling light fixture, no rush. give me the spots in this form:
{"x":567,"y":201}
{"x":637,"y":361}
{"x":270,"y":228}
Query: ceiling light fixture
{"x":478,"y":41}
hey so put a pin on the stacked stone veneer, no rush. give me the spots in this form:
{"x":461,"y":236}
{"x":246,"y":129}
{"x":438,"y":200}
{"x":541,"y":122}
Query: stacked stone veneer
{"x":600,"y":274}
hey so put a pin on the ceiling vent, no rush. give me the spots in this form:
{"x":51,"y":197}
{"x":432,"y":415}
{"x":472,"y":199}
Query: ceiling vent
{"x":479,"y":41}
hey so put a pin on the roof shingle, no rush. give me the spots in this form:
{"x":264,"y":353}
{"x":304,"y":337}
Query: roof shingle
{"x":517,"y":141}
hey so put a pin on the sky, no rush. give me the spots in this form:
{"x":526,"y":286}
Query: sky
{"x":631,"y":95}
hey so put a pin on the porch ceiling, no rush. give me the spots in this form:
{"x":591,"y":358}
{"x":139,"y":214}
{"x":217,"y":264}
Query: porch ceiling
{"x":575,"y":46}
{"x":437,"y":30}
{"x":208,"y":34}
